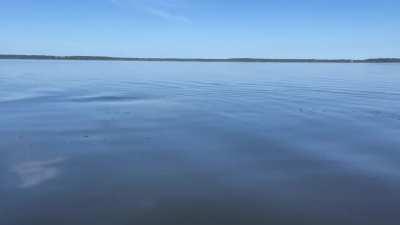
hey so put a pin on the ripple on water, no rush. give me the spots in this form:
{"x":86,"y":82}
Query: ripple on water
{"x":108,"y":98}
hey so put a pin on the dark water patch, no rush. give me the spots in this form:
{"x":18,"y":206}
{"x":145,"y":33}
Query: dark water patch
{"x":384,"y":114}
{"x":30,"y":99}
{"x":109,"y":98}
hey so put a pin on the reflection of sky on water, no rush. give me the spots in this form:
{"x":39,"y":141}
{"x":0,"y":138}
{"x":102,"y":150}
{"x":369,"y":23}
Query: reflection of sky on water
{"x":161,"y":143}
{"x":34,"y":173}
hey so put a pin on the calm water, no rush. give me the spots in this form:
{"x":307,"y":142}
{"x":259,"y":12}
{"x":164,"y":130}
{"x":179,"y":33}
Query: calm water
{"x":123,"y":143}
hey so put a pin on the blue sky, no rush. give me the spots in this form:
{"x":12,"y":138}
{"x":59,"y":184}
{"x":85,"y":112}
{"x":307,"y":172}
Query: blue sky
{"x":202,"y":28}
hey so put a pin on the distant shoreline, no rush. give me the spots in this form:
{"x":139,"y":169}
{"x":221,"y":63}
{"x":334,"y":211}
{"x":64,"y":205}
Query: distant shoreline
{"x":244,"y":60}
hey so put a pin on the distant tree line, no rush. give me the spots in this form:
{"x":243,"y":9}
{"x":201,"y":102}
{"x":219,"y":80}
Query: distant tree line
{"x":259,"y":60}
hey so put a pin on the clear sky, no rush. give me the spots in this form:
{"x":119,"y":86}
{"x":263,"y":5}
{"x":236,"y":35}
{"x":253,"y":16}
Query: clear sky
{"x":202,"y":28}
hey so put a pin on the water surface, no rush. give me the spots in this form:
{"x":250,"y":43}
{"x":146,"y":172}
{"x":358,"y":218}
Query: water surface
{"x":148,"y":143}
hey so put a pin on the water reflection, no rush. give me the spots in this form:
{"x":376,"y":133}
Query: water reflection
{"x":198,"y":144}
{"x":34,"y":173}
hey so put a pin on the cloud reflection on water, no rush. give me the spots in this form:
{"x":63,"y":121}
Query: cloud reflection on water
{"x":35,"y":172}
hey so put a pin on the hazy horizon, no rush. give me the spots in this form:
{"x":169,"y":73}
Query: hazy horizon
{"x":202,"y":29}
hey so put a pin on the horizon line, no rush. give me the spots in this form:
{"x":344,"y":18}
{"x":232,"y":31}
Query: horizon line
{"x":183,"y":59}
